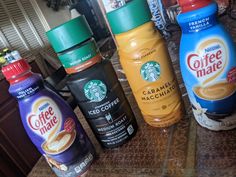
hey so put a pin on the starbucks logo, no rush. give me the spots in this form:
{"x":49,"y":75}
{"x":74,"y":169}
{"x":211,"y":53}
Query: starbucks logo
{"x":150,"y":71}
{"x":95,"y":90}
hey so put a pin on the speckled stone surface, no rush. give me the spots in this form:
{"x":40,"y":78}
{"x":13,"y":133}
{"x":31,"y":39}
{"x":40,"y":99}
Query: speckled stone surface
{"x":182,"y":150}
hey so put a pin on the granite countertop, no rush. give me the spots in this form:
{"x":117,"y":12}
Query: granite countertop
{"x":182,"y":150}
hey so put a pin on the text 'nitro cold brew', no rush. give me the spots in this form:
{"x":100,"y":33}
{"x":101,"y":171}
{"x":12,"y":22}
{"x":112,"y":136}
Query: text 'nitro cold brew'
{"x":94,"y":83}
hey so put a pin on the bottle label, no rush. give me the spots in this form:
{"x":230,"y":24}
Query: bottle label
{"x":33,"y":89}
{"x":199,"y":24}
{"x":199,"y":20}
{"x":109,"y":115}
{"x":58,"y":136}
{"x":80,"y":58}
{"x":209,"y":71}
{"x":80,"y":66}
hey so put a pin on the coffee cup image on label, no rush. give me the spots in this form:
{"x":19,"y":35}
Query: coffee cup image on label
{"x":60,"y":143}
{"x":218,"y":98}
{"x":64,"y":148}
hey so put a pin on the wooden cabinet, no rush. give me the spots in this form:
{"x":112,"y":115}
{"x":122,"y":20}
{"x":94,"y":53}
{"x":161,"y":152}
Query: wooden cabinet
{"x":17,"y":154}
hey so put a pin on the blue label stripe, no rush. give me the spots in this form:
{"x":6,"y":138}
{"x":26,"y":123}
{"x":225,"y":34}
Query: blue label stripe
{"x":199,"y":24}
{"x":31,"y":90}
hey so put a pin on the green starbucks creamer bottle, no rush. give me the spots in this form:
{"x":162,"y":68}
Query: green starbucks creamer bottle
{"x":208,"y":65}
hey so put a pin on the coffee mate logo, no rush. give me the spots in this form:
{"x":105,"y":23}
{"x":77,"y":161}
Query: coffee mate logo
{"x":150,"y":71}
{"x":209,"y":61}
{"x":95,"y":90}
{"x":45,"y":118}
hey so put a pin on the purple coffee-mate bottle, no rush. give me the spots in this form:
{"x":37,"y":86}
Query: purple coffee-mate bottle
{"x":49,"y":122}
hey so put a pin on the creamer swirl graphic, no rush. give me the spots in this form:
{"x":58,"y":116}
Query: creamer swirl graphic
{"x":209,"y":61}
{"x":60,"y":143}
{"x":45,"y":118}
{"x":217,"y":91}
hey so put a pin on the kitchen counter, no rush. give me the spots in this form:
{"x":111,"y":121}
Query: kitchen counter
{"x":182,"y":150}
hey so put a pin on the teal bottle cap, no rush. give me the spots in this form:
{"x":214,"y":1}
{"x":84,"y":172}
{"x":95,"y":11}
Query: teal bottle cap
{"x":69,"y":34}
{"x":130,"y":16}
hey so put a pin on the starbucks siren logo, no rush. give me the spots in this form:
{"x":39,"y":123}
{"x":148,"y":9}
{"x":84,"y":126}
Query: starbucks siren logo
{"x":150,"y":71}
{"x":95,"y":90}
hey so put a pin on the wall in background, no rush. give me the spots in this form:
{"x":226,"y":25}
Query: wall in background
{"x":53,"y":18}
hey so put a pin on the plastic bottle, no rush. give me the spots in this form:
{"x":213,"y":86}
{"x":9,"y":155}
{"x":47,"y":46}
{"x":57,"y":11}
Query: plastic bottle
{"x":94,"y":83}
{"x":16,"y":55}
{"x":208,"y":64}
{"x":49,"y":122}
{"x":147,"y":65}
{"x":8,"y":56}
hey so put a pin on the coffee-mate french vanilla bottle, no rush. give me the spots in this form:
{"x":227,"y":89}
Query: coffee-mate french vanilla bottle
{"x":49,"y":122}
{"x":208,"y":65}
{"x":147,"y":65}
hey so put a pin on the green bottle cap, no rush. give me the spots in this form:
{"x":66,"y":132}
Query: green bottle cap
{"x":130,"y":16}
{"x":69,"y":34}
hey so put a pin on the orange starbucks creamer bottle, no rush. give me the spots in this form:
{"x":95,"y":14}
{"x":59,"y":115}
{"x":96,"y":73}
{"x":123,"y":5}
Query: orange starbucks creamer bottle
{"x":147,"y":65}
